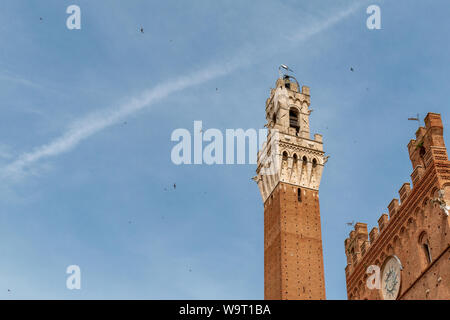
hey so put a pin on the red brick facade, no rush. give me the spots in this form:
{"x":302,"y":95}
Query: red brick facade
{"x":293,"y":260}
{"x":416,"y":230}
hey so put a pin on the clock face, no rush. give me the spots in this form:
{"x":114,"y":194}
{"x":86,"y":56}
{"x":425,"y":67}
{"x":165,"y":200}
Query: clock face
{"x":390,"y":279}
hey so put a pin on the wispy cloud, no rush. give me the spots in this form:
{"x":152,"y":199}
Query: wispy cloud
{"x":19,"y":80}
{"x":5,"y":152}
{"x":319,"y":26}
{"x":99,"y":120}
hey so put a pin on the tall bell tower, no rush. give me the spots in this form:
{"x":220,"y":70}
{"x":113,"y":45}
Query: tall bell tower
{"x":289,"y":170}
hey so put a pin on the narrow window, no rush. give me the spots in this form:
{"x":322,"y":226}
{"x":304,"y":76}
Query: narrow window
{"x":293,"y":119}
{"x":426,"y":248}
{"x":422,"y":155}
{"x":299,"y":195}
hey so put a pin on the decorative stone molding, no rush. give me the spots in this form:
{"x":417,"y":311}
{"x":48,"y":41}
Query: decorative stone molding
{"x":289,"y":155}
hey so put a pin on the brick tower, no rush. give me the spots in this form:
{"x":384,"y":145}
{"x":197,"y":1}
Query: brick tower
{"x":415,"y":235}
{"x":289,"y":170}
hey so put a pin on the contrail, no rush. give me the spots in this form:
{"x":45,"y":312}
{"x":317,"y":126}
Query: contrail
{"x":99,"y":120}
{"x":319,"y":27}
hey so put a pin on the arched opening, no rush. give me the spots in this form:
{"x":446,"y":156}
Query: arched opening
{"x":295,"y":162}
{"x":313,"y":171}
{"x":299,"y":195}
{"x":425,"y":248}
{"x":293,"y":119}
{"x":304,"y":162}
{"x":422,"y":152}
{"x":284,"y":161}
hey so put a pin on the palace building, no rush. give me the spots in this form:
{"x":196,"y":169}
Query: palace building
{"x":289,"y":170}
{"x":407,"y":256}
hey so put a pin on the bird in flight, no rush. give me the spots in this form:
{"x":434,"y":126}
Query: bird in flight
{"x":350,"y":223}
{"x":142,"y":30}
{"x":174,"y":185}
{"x":351,"y":69}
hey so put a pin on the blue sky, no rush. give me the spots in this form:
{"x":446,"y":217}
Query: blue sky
{"x":86,"y":118}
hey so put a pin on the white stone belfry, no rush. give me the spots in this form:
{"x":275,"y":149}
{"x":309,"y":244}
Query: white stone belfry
{"x":289,"y":155}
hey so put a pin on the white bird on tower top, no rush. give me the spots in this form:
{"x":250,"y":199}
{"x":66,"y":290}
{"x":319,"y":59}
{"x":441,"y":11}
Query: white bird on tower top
{"x":285,"y":67}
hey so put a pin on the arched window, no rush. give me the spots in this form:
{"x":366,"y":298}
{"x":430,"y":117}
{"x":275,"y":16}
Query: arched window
{"x":425,"y":248}
{"x":304,"y":162}
{"x":293,"y":119}
{"x":422,"y":152}
{"x":285,"y":156}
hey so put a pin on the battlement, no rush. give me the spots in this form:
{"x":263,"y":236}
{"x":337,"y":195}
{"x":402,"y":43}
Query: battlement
{"x":289,"y":155}
{"x":291,"y":84}
{"x":428,"y":139}
{"x":428,"y":154}
{"x":356,"y":244}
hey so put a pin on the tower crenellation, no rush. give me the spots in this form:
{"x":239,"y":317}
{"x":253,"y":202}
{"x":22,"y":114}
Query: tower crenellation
{"x":289,"y":154}
{"x":416,"y":230}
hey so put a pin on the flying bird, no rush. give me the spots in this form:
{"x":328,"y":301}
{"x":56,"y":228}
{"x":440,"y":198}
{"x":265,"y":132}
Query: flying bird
{"x":351,"y":69}
{"x":350,"y":223}
{"x":174,"y":185}
{"x":142,"y":30}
